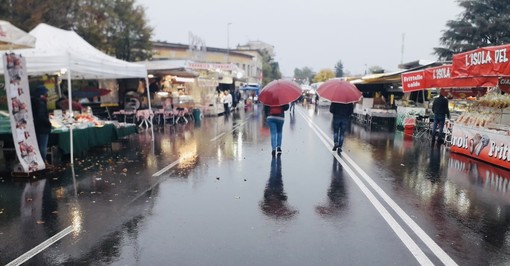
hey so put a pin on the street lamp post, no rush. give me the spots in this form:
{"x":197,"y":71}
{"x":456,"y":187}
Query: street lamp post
{"x":228,"y":42}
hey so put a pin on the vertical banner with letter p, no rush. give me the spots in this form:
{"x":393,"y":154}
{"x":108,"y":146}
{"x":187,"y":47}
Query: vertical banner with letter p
{"x":22,"y":123}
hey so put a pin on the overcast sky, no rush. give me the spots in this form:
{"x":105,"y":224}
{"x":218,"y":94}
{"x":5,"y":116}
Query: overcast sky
{"x":315,"y":34}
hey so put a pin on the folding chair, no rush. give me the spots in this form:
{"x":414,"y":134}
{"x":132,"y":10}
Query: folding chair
{"x":422,"y":128}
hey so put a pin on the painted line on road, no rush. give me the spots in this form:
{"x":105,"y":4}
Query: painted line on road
{"x":394,"y":225}
{"x":39,"y":248}
{"x":168,"y":167}
{"x":230,"y":131}
{"x":438,"y":251}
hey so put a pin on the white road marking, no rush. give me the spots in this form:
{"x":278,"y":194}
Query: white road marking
{"x":410,"y":244}
{"x":168,"y":167}
{"x":44,"y":245}
{"x":230,"y":131}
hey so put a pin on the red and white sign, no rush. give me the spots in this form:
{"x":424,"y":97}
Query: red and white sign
{"x":482,"y":144}
{"x":485,"y":61}
{"x":413,"y":81}
{"x":441,"y":77}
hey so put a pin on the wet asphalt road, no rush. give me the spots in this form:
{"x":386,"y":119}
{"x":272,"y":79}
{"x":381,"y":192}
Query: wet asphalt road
{"x":210,"y":193}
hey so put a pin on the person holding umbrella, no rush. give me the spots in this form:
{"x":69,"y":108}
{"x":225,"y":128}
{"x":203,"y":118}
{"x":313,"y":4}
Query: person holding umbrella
{"x":276,"y":97}
{"x":341,"y":117}
{"x":275,"y":117}
{"x":342,"y":95}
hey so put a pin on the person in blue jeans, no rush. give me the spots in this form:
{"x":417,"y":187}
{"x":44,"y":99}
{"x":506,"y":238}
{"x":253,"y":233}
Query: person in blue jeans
{"x":441,"y":112}
{"x":341,"y":117}
{"x":275,"y":119}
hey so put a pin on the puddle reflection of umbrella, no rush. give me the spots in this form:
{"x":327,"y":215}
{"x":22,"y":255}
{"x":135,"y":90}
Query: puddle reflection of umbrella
{"x":339,"y":91}
{"x":279,"y":92}
{"x":12,"y":37}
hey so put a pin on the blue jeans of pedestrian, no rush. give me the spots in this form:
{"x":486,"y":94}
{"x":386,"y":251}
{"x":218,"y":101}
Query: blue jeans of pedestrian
{"x":42,"y":142}
{"x":438,"y":121}
{"x":275,"y":127}
{"x":339,"y":127}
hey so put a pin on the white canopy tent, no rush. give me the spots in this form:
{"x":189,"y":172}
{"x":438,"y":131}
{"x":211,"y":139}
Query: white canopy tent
{"x":65,"y":52}
{"x":11,"y":37}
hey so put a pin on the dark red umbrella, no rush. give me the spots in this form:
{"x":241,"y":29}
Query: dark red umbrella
{"x":339,"y":91}
{"x":279,"y":92}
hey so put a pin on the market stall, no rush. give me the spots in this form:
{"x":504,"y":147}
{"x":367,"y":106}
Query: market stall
{"x":65,"y":53}
{"x":461,"y":91}
{"x":378,"y":105}
{"x":483,"y":131}
{"x":89,"y":132}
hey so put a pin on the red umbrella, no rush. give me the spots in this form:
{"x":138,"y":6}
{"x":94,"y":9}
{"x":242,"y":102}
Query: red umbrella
{"x":339,"y":91}
{"x":279,"y":92}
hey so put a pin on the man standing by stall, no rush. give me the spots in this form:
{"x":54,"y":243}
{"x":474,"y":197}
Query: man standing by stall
{"x":441,"y":112}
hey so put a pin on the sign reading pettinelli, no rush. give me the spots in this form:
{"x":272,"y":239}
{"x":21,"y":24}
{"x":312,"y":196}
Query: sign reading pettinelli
{"x":20,"y":109}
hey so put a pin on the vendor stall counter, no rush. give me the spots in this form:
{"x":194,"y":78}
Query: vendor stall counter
{"x":83,"y":138}
{"x":483,"y":132}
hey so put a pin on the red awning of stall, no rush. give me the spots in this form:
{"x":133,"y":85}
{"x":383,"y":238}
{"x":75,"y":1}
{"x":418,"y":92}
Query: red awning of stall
{"x":485,"y":61}
{"x":441,"y":77}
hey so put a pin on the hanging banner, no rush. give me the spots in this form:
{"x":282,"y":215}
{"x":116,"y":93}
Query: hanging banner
{"x":482,"y":144}
{"x":441,"y":77}
{"x":413,"y":81}
{"x":22,"y":125}
{"x":485,"y":61}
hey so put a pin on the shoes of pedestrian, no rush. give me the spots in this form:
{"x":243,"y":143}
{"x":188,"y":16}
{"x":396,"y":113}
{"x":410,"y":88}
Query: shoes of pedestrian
{"x":279,"y":150}
{"x":335,"y":147}
{"x":273,"y":153}
{"x":339,"y":150}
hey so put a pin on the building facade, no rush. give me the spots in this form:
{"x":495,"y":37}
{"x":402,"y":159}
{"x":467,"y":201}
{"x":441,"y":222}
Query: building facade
{"x":245,"y":58}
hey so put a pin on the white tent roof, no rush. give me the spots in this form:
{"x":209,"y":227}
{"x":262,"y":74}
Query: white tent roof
{"x":58,"y":49}
{"x":11,"y":37}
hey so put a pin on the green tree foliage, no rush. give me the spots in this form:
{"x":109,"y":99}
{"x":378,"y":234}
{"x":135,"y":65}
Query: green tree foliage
{"x":26,"y":14}
{"x":116,"y":27}
{"x":303,"y":75}
{"x":270,"y":68}
{"x":339,"y":69}
{"x":482,"y":23}
{"x":324,"y":75}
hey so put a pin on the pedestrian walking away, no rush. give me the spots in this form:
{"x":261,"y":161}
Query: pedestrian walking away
{"x":341,"y":118}
{"x":441,"y":112}
{"x":275,"y":119}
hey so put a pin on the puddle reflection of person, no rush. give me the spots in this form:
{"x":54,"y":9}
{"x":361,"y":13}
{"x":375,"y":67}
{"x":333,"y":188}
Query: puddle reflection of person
{"x":32,"y":212}
{"x":337,"y":195}
{"x":275,"y":204}
{"x":434,"y":170}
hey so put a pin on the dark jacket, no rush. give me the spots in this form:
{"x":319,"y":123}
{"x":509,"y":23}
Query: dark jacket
{"x":276,"y":111}
{"x":440,"y":106}
{"x":41,"y":116}
{"x":341,"y":110}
